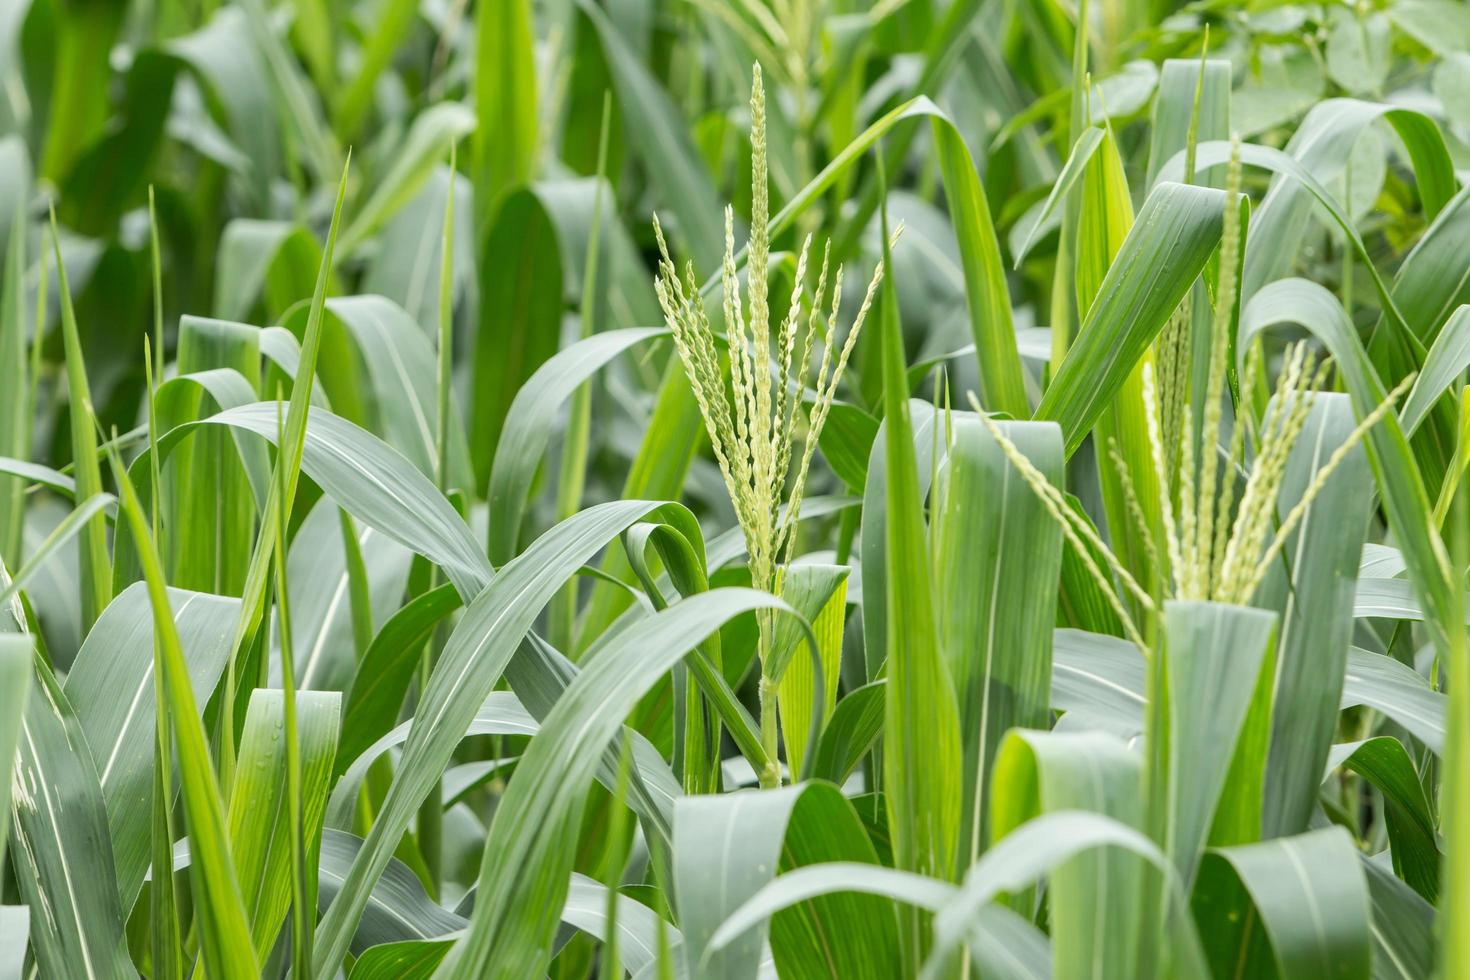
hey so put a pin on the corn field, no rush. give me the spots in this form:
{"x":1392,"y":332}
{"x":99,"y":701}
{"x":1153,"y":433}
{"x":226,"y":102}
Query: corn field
{"x":733,"y":489}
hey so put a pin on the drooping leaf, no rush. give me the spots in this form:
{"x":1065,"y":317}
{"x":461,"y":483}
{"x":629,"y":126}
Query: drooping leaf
{"x":525,"y":867}
{"x":755,"y":832}
{"x":1296,"y":906}
{"x":476,"y":654}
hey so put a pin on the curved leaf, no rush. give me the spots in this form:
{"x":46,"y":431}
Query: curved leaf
{"x":1093,"y":897}
{"x":1443,"y":365}
{"x":475,"y":656}
{"x":387,"y":668}
{"x":501,"y":714}
{"x":529,"y":422}
{"x":526,"y":860}
{"x":726,"y":849}
{"x":1384,"y":684}
{"x":1306,"y":892}
{"x":368,"y":479}
{"x":64,"y":868}
{"x":111,"y":686}
{"x":418,"y":152}
{"x":1035,"y":849}
{"x":1385,"y":763}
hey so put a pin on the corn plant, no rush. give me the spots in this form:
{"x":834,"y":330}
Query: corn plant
{"x":458,"y":519}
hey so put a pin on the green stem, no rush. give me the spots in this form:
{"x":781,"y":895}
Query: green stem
{"x":302,"y":916}
{"x":770,"y":734}
{"x":431,"y":816}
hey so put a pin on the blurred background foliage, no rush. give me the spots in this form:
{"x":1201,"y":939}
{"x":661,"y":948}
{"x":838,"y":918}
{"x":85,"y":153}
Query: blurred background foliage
{"x":239,"y":115}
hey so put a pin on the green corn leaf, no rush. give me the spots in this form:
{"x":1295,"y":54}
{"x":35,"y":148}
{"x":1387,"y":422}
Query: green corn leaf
{"x":39,"y":475}
{"x":406,"y":960}
{"x":652,"y":124}
{"x":376,"y":695}
{"x":428,"y":139}
{"x":791,"y":827}
{"x":85,"y":35}
{"x":1166,"y":248}
{"x":523,"y":873}
{"x":1077,"y":160}
{"x":1310,"y":587}
{"x":1201,"y":689}
{"x":501,"y":714}
{"x":922,"y":764}
{"x":473,"y":659}
{"x":676,"y":544}
{"x":1183,"y":83}
{"x":15,"y":421}
{"x":1321,"y":146}
{"x":365,"y":477}
{"x":1430,"y":283}
{"x":636,"y":925}
{"x":997,"y":559}
{"x":398,"y":910}
{"x":851,"y":732}
{"x":675,"y":433}
{"x":1002,"y":387}
{"x":1000,"y":942}
{"x":1404,"y":348}
{"x":873,"y":555}
{"x":75,"y":523}
{"x":1036,"y":848}
{"x":1192,"y":107}
{"x":1102,"y":679}
{"x":323,"y":574}
{"x":1403,"y":926}
{"x":400,"y":400}
{"x":1306,"y":893}
{"x":294,"y":103}
{"x":111,"y":686}
{"x":356,"y":99}
{"x":520,"y":320}
{"x":1093,"y":896}
{"x":289,"y":463}
{"x":206,"y":488}
{"x":1406,"y":504}
{"x":1384,"y":684}
{"x":260,"y":830}
{"x":96,"y":565}
{"x":16,"y":652}
{"x":1385,"y":763}
{"x":1446,"y":361}
{"x":223,"y":927}
{"x":1104,"y":219}
{"x":61,"y":857}
{"x":263,"y":263}
{"x":528,"y":426}
{"x":819,"y":593}
{"x":505,"y":100}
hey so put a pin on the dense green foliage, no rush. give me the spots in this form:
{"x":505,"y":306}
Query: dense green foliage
{"x":1026,"y":536}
